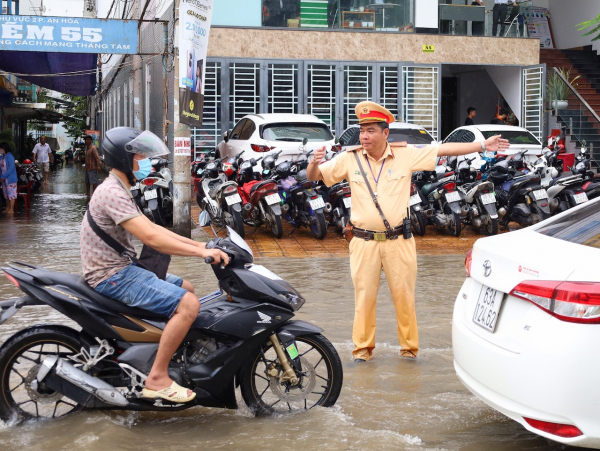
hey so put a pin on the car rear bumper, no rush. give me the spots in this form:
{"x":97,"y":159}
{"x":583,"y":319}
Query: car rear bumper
{"x":550,"y":376}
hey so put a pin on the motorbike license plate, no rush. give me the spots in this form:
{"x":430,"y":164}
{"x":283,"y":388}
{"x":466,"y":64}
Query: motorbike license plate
{"x":134,"y":187}
{"x":233,"y":199}
{"x":487,"y":308}
{"x":453,"y":197}
{"x":489,"y":198}
{"x":540,"y":194}
{"x":150,"y":194}
{"x":348,"y":202}
{"x":580,"y":198}
{"x":415,"y":199}
{"x":273,"y":199}
{"x":317,"y":203}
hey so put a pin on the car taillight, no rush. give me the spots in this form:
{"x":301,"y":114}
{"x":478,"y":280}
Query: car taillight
{"x":336,"y":148}
{"x":468,"y":261}
{"x":574,"y":302}
{"x":261,"y":149}
{"x":12,"y":279}
{"x":561,"y":430}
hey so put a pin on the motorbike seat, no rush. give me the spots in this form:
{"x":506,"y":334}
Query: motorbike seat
{"x":260,"y":184}
{"x":113,"y":304}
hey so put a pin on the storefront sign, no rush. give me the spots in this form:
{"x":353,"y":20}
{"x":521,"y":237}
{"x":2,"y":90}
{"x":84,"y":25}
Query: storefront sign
{"x":194,"y":26}
{"x":183,"y":147}
{"x":68,"y":34}
{"x":538,"y":25}
{"x":428,"y":48}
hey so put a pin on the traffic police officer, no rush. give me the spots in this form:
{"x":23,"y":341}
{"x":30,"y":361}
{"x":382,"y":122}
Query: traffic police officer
{"x":375,"y":245}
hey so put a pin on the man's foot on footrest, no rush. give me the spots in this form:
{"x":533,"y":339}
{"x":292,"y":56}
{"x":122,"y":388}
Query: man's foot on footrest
{"x":175,"y":393}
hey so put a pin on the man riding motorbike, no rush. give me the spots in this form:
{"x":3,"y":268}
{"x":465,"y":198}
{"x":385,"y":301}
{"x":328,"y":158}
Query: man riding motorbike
{"x":127,"y":152}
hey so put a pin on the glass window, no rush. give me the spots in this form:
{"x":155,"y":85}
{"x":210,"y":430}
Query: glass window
{"x":248,"y":130}
{"x":579,"y":227}
{"x":348,"y":136}
{"x":296,"y":132}
{"x":452,"y":137}
{"x":513,"y":136}
{"x":411,"y":136}
{"x":237,"y":130}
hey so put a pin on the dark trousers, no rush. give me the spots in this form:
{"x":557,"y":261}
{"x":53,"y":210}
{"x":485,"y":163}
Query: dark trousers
{"x":500,"y":12}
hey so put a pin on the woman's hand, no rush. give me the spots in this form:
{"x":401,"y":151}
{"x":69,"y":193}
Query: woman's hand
{"x":496,"y":143}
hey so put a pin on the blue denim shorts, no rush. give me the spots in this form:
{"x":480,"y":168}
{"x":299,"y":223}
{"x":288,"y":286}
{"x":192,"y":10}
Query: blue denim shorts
{"x":138,"y":287}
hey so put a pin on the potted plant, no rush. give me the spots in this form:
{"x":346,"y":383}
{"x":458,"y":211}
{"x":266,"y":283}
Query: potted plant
{"x":558,"y":91}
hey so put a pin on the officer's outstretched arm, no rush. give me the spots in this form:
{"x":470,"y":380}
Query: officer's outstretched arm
{"x":493,"y":144}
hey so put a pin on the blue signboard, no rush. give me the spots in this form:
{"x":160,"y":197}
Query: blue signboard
{"x":68,"y":34}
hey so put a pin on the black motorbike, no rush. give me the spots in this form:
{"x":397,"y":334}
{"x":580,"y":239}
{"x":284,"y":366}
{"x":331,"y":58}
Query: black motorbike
{"x":243,"y":336}
{"x":57,"y":161}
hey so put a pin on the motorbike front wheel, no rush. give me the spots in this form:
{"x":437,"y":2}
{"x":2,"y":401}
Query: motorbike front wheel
{"x":20,"y":360}
{"x":417,"y":222}
{"x":320,"y":381}
{"x":318,"y":225}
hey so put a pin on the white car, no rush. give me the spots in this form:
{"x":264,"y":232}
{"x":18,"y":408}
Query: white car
{"x":399,"y":131}
{"x":526,"y":325}
{"x":519,"y":139}
{"x":259,"y":135}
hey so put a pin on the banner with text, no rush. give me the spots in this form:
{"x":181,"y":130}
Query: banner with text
{"x":538,"y":25}
{"x":68,"y":34}
{"x":194,"y":26}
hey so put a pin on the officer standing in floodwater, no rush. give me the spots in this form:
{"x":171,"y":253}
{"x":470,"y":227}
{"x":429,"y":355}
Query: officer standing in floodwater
{"x":380,"y":177}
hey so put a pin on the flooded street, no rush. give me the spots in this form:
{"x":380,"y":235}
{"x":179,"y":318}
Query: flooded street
{"x":388,"y":403}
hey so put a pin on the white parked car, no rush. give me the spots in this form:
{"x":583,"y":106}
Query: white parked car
{"x":526,"y":325}
{"x":258,"y":135}
{"x":399,"y":131}
{"x":519,"y":139}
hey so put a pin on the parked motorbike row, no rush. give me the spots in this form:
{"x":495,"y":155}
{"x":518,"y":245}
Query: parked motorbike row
{"x":233,"y":193}
{"x":486,"y":193}
{"x":153,"y":195}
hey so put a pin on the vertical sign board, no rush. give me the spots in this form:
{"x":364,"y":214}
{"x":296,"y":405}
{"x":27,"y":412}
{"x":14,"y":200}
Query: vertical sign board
{"x":68,"y":34}
{"x":194,"y":26}
{"x":538,"y":25}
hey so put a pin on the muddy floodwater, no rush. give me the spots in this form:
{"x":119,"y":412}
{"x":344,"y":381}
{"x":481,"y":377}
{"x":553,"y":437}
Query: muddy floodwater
{"x":388,"y":403}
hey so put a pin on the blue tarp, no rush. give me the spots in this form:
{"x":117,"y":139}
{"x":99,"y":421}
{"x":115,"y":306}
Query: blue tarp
{"x":44,"y":63}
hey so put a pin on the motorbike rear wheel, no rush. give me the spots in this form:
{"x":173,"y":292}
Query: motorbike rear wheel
{"x":235,"y":221}
{"x":320,"y":381}
{"x":417,"y":222}
{"x":491,"y":228}
{"x":276,"y":226}
{"x":318,"y":225}
{"x":20,"y":359}
{"x":455,"y":225}
{"x":158,"y":217}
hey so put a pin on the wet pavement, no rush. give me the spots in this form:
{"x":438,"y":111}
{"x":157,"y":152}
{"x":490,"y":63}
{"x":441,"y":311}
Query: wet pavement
{"x":388,"y":403}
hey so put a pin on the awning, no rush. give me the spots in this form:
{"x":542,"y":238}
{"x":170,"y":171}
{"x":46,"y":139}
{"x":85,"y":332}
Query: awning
{"x":43,"y":66}
{"x":28,"y":111}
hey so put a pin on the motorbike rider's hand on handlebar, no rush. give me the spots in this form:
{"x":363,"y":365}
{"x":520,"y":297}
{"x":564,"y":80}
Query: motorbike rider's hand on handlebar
{"x":215,"y":257}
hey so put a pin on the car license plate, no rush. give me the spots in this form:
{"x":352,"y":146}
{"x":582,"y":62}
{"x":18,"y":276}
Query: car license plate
{"x":489,"y":198}
{"x":348,"y":202}
{"x":453,"y":197}
{"x":540,"y":194}
{"x":580,"y":198}
{"x":150,"y":194}
{"x":415,"y":199}
{"x":317,"y":203}
{"x":233,"y":199}
{"x":273,"y":199}
{"x":487,"y":308}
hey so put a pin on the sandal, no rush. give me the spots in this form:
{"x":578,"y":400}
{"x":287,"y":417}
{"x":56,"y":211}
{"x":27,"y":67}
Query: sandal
{"x":175,"y":393}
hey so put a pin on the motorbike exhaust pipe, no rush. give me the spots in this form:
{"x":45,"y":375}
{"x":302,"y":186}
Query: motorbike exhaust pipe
{"x":55,"y":370}
{"x":285,"y":208}
{"x":477,"y":222}
{"x":464,"y":210}
{"x":247,"y":210}
{"x":328,"y":207}
{"x":501,"y":211}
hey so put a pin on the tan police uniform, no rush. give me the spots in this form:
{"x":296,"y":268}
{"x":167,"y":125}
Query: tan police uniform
{"x":397,"y":256}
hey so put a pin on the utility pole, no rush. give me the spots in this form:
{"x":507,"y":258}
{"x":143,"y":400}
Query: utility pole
{"x":182,"y":219}
{"x":136,"y":68}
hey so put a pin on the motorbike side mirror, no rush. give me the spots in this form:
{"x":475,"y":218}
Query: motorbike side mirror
{"x":204,"y":219}
{"x":226,"y":136}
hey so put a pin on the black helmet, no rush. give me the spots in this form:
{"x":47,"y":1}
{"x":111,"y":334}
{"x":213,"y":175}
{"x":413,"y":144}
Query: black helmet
{"x":120,"y":144}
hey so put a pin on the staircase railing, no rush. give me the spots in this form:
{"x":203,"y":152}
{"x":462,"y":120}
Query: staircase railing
{"x":579,"y":117}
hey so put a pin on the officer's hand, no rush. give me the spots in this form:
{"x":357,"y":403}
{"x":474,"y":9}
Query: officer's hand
{"x":318,"y":156}
{"x":217,"y":255}
{"x":496,"y":143}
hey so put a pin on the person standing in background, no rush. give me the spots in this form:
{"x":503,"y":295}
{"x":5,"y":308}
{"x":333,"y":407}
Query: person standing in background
{"x":500,"y":12}
{"x":92,"y":165}
{"x":478,"y":28}
{"x":41,"y":156}
{"x":471,"y":113}
{"x":8,"y":176}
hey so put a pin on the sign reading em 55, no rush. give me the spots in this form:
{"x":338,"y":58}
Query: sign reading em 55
{"x":68,"y":34}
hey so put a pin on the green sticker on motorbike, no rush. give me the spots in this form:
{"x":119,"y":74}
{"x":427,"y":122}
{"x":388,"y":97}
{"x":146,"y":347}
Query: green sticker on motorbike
{"x":292,"y":351}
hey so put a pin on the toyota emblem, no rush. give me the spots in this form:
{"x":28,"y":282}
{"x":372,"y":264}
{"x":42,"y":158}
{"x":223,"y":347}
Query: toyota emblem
{"x":487,"y":268}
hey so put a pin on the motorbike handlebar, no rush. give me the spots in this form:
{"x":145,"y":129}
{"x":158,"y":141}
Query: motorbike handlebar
{"x":209,"y":260}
